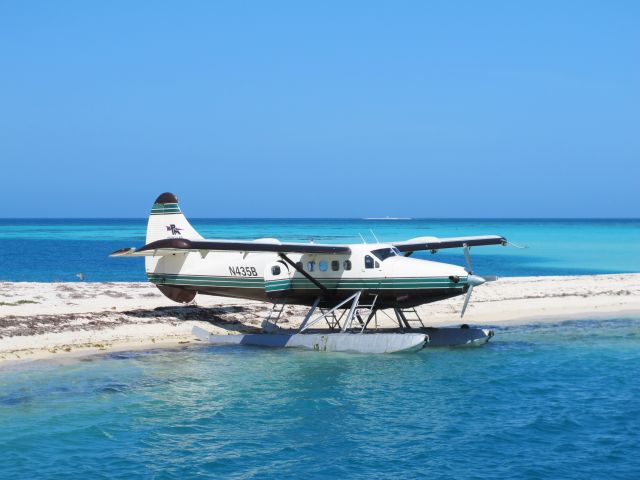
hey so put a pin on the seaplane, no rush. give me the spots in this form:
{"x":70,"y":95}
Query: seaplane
{"x":345,"y":287}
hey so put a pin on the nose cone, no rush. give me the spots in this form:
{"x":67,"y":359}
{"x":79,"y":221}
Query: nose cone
{"x":475,"y":280}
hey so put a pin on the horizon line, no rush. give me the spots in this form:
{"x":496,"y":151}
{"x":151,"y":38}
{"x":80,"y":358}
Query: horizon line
{"x":372,"y":219}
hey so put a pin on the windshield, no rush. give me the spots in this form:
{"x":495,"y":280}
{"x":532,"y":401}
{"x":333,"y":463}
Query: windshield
{"x":384,"y":253}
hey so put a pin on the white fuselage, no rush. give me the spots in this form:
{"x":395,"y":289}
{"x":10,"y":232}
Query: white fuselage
{"x":376,"y":269}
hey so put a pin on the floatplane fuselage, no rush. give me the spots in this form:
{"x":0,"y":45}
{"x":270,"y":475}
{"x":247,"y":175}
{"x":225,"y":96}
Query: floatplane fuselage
{"x":379,"y":269}
{"x":182,"y":264}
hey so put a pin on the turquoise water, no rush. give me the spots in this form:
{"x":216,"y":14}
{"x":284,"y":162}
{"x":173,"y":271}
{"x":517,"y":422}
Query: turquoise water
{"x":48,"y":250}
{"x":556,"y":401}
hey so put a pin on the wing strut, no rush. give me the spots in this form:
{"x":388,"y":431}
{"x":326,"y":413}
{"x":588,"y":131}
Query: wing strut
{"x":304,"y":274}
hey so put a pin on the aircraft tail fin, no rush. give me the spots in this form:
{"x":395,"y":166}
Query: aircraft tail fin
{"x":167,"y":221}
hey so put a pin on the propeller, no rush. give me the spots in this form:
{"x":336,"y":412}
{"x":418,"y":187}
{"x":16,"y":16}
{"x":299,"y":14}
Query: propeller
{"x":472,"y":280}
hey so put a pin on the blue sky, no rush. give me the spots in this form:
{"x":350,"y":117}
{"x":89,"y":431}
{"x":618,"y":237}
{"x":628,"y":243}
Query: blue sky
{"x":321,"y":109}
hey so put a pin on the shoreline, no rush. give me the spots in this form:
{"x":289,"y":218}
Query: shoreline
{"x":58,"y":320}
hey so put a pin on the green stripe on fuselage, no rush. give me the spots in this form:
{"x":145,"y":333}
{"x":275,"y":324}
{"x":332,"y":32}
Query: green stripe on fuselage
{"x":206,"y":281}
{"x":304,"y":284}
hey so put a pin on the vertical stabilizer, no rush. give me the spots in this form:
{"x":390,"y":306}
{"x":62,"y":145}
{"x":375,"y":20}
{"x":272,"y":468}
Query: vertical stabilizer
{"x":167,"y":221}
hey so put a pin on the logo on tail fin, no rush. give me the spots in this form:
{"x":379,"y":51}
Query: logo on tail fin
{"x":174,"y":230}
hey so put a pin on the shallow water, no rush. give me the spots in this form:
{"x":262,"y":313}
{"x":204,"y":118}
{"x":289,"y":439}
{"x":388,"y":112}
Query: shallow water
{"x":49,"y":250}
{"x":540,"y":401}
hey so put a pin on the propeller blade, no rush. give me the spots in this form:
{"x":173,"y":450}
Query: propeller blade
{"x":466,"y":301}
{"x":468,"y":257}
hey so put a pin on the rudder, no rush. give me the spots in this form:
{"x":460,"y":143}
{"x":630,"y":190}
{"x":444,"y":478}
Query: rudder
{"x":166,"y":220}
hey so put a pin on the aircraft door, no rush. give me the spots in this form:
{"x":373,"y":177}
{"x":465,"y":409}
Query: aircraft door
{"x":277,"y":279}
{"x":371,"y":264}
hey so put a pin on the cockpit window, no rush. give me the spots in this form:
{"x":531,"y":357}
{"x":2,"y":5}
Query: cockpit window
{"x":384,"y":253}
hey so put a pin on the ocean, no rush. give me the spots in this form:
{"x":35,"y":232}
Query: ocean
{"x":539,"y":401}
{"x":58,"y":249}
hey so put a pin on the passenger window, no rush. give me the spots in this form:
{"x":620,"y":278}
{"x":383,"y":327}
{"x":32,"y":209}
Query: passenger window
{"x":275,"y":270}
{"x":311,"y":266}
{"x":323,"y":266}
{"x":335,"y":265}
{"x":347,"y":264}
{"x":368,"y":261}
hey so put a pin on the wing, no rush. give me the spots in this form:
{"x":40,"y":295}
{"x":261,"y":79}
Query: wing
{"x":435,"y":243}
{"x":169,"y":246}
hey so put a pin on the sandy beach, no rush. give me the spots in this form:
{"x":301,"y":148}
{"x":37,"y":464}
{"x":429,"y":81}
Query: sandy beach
{"x":39,"y":320}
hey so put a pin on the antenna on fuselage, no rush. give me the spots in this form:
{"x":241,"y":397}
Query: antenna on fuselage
{"x":374,"y":236}
{"x":363,"y":240}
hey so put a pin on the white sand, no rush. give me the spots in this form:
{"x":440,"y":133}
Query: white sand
{"x":87,"y":317}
